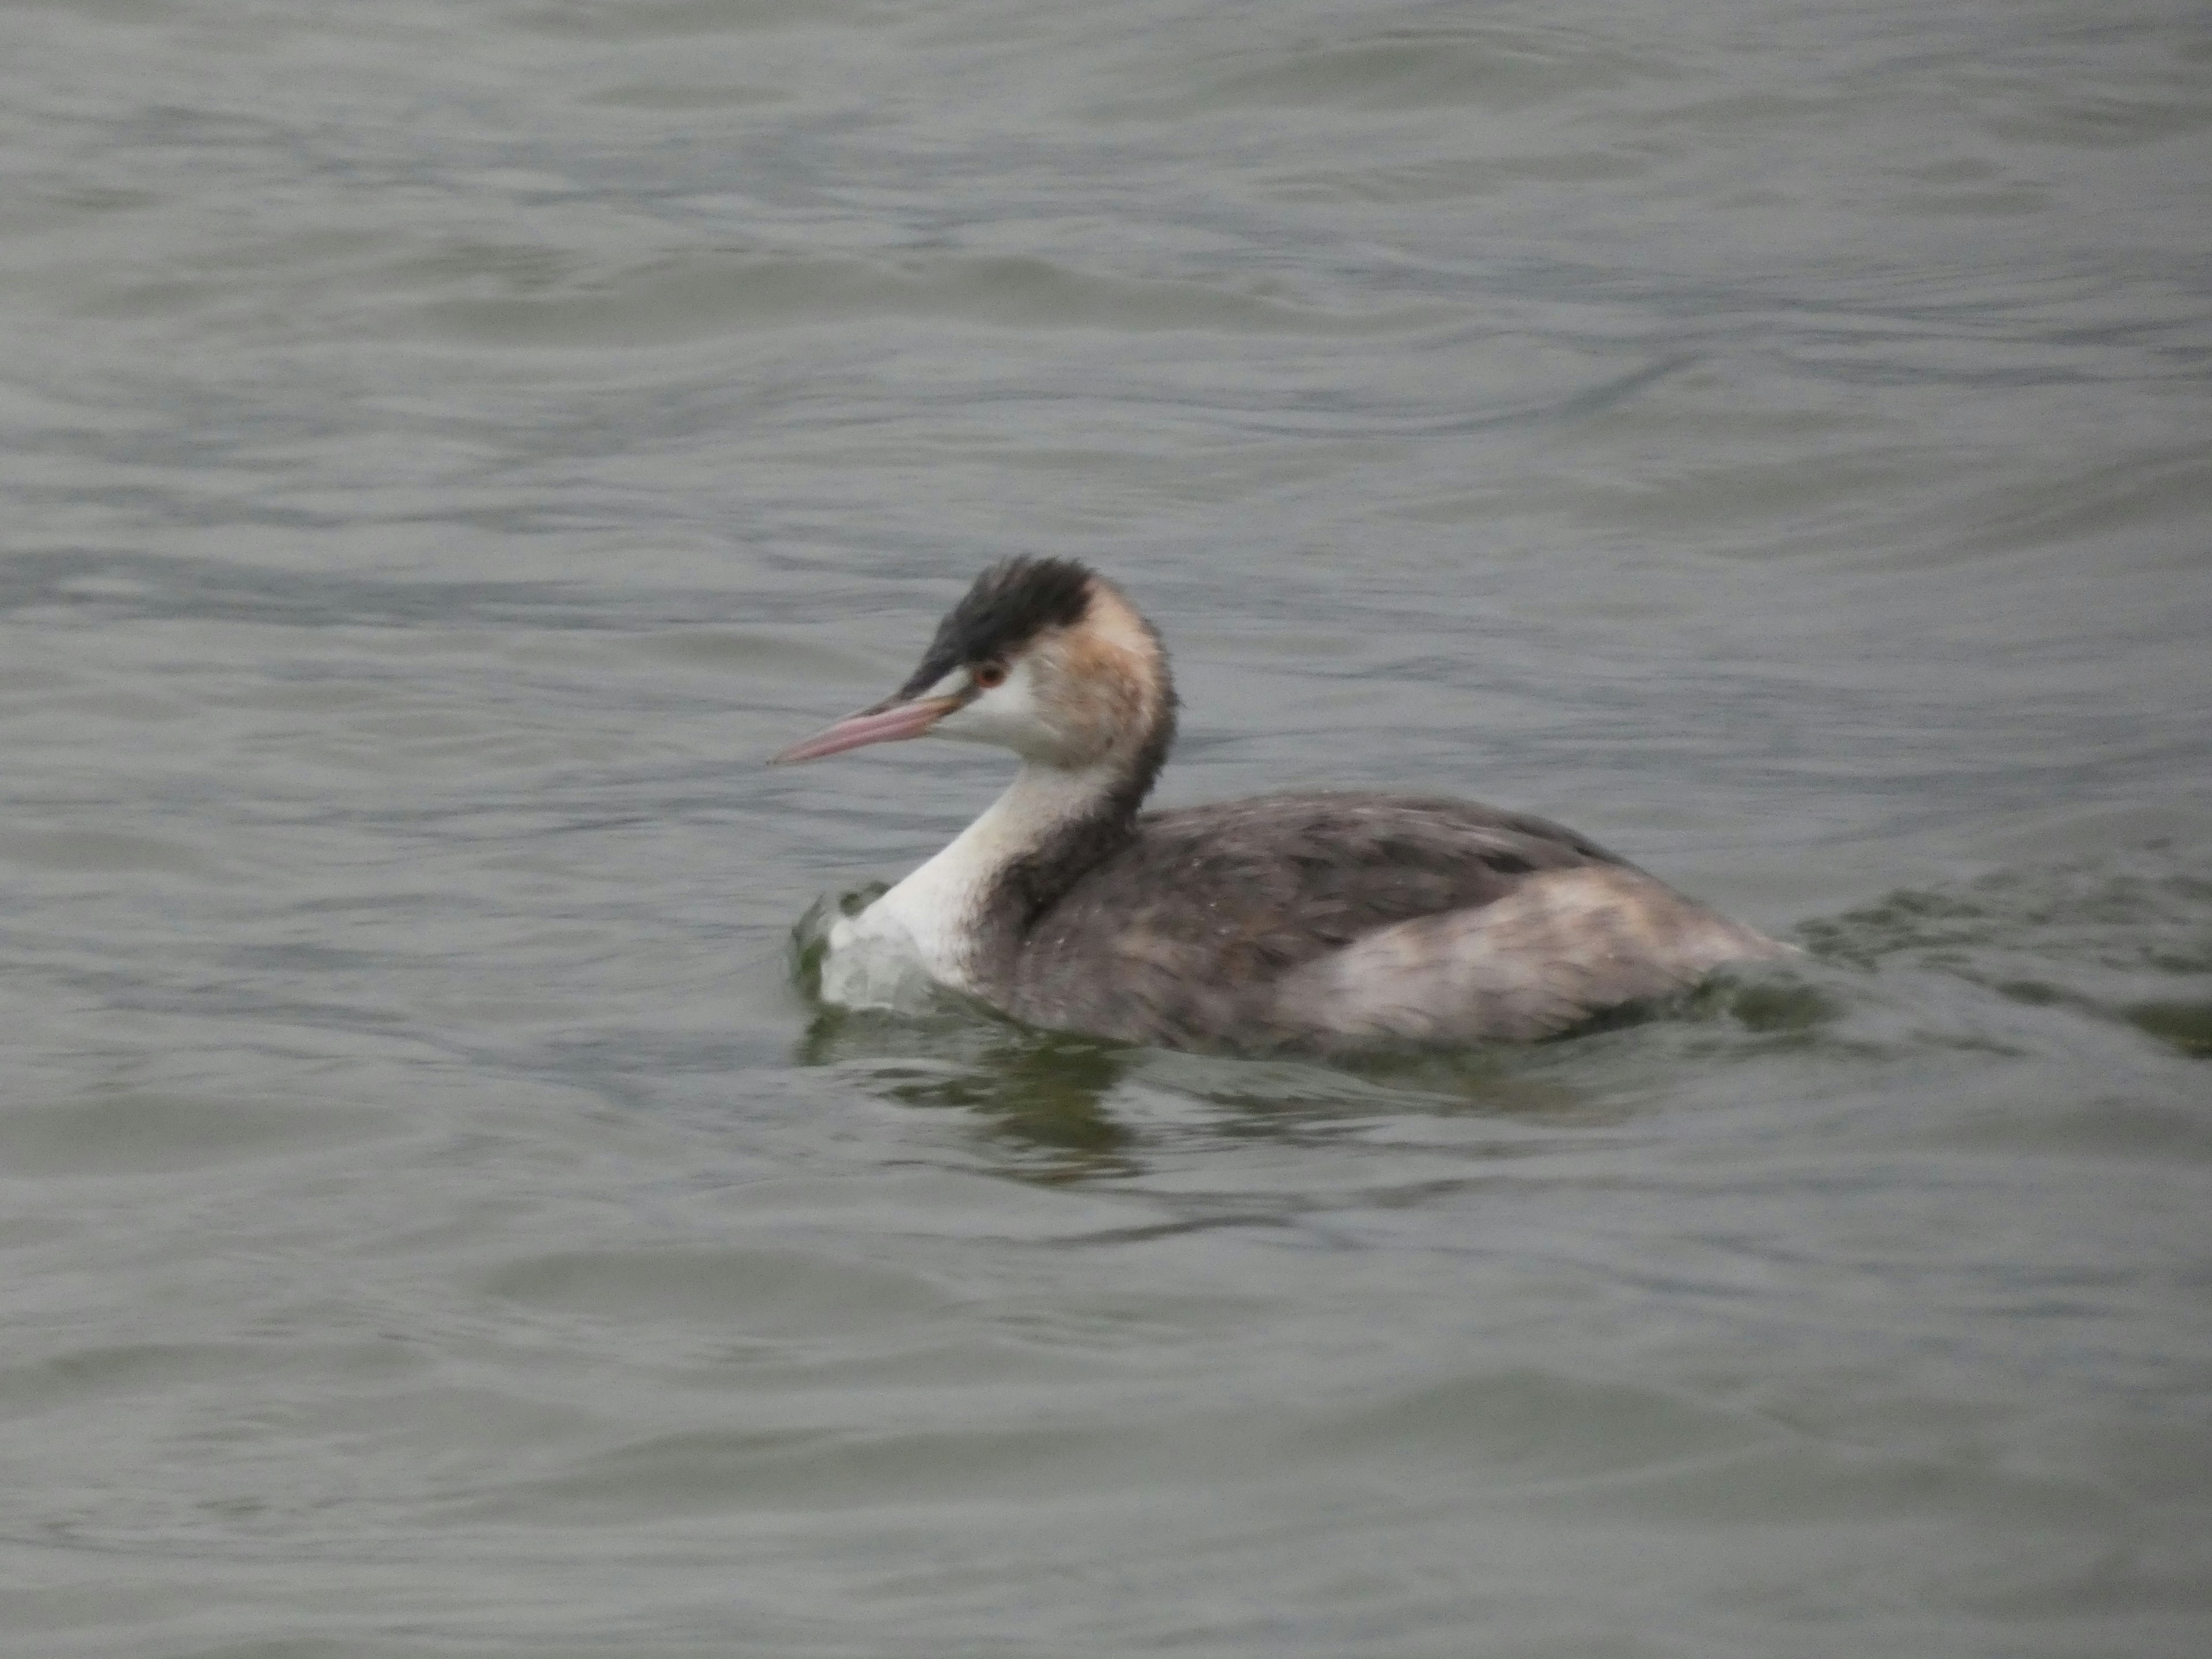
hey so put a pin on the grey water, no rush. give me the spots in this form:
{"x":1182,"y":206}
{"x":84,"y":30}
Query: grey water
{"x":445,"y":447}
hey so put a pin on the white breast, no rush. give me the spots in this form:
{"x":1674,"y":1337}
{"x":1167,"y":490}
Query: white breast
{"x":876,"y":962}
{"x":926,"y":929}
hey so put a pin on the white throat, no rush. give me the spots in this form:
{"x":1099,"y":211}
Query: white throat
{"x":933,"y":920}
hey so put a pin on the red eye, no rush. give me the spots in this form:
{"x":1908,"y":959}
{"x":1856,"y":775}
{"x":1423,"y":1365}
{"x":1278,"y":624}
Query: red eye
{"x":990,"y":674}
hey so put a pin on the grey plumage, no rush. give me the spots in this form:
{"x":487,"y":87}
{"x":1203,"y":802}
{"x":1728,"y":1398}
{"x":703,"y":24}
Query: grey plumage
{"x":1338,"y":920}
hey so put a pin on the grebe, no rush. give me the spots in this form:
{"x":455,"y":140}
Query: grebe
{"x":1323,"y":921}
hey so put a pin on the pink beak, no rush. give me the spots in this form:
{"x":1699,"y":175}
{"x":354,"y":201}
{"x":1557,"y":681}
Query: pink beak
{"x":878,"y":725}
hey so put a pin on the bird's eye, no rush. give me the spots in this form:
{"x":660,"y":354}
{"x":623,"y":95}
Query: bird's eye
{"x":990,"y":675}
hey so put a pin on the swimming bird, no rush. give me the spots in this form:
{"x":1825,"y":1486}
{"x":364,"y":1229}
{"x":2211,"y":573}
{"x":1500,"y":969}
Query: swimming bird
{"x":1322,"y":921}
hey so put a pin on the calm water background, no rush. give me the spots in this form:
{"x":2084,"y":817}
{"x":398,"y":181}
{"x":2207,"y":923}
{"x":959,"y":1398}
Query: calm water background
{"x":444,"y":446}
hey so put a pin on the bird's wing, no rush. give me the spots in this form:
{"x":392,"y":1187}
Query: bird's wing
{"x":1182,"y":934}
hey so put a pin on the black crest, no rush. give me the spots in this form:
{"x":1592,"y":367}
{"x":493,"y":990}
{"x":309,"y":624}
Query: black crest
{"x":1010,"y":604}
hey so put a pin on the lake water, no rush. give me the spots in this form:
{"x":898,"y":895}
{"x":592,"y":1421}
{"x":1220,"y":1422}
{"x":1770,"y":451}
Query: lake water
{"x":445,"y":447}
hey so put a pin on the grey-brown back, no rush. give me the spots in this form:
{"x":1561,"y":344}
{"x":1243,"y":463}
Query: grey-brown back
{"x":1206,"y":925}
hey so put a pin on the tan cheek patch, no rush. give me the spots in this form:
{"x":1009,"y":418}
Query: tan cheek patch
{"x":1099,"y":696}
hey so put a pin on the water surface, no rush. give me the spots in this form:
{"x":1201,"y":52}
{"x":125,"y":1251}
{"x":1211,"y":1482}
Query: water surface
{"x":445,"y":447}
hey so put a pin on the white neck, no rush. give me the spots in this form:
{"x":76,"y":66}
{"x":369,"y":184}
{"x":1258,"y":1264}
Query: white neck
{"x":941,"y":905}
